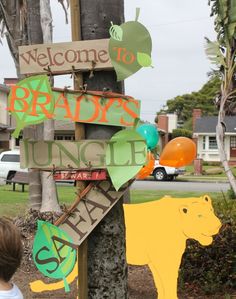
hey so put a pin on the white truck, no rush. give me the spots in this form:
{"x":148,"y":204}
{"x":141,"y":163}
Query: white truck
{"x":165,"y":173}
{"x":10,"y":164}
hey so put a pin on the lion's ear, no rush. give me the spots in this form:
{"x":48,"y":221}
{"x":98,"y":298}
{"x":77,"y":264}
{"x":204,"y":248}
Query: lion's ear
{"x":183,"y":210}
{"x":206,"y":198}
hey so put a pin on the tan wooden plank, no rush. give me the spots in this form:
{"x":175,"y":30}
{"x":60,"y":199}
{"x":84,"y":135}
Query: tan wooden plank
{"x":62,"y":58}
{"x":91,"y":209}
{"x":83,"y":154}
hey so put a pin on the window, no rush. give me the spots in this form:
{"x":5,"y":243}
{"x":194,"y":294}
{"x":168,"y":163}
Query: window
{"x":18,"y":140}
{"x":10,"y":158}
{"x":233,"y":141}
{"x":64,"y":137}
{"x":58,"y":137}
{"x":204,"y":142}
{"x":69,"y":138}
{"x":212,"y":143}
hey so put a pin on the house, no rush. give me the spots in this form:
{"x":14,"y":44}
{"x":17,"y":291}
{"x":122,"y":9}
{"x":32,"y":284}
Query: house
{"x":204,"y":132}
{"x":166,"y":123}
{"x":5,"y":118}
{"x":64,"y":130}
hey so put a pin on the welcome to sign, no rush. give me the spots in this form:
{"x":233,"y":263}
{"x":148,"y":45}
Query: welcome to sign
{"x":62,"y":58}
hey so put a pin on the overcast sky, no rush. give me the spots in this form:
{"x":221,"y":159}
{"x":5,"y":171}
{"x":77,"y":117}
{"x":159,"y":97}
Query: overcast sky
{"x":177,"y":27}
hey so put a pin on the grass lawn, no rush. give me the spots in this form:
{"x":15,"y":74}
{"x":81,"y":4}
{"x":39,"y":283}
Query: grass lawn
{"x":139,"y":196}
{"x":190,"y":170}
{"x":15,"y":203}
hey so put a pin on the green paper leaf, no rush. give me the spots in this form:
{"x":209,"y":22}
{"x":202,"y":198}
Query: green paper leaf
{"x":116,"y":32}
{"x":53,"y":252}
{"x":123,"y":53}
{"x":31,"y":92}
{"x":144,"y":59}
{"x":125,"y":155}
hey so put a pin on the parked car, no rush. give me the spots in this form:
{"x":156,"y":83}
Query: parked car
{"x":165,"y":173}
{"x":10,"y":164}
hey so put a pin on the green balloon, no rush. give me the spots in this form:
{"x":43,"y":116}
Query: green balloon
{"x":53,"y":252}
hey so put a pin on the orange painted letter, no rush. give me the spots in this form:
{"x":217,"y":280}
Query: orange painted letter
{"x":64,"y":105}
{"x":15,"y":98}
{"x":36,"y":103}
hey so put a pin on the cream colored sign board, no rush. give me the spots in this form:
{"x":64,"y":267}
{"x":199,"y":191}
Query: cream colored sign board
{"x":91,"y":210}
{"x":62,"y":58}
{"x":63,"y":154}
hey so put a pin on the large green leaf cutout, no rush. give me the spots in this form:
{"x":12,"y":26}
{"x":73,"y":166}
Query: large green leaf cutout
{"x":125,"y":155}
{"x":33,"y":92}
{"x":130,"y":48}
{"x":53,"y":252}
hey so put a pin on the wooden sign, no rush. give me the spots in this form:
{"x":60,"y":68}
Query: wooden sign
{"x":63,"y":155}
{"x":83,"y":175}
{"x":94,"y":204}
{"x":32,"y":101}
{"x":62,"y":58}
{"x":82,"y":154}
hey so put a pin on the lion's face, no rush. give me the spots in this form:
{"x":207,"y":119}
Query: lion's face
{"x":198,"y":220}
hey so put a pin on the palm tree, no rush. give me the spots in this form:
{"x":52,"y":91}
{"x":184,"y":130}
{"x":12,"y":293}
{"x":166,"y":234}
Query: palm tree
{"x":222,"y":54}
{"x":20,"y":21}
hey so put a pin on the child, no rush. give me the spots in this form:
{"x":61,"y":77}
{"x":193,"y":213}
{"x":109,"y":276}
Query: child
{"x":10,"y":258}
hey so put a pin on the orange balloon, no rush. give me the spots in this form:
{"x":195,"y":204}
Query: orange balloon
{"x":148,"y":168}
{"x":178,"y":152}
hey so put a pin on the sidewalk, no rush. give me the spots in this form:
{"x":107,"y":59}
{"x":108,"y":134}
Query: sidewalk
{"x":202,"y":178}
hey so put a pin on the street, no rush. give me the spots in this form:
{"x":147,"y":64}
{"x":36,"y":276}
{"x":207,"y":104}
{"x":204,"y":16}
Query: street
{"x":174,"y":185}
{"x":181,"y":186}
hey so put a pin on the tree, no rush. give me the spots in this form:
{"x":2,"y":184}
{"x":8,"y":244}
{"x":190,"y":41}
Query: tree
{"x":107,"y":275}
{"x":222,"y":54}
{"x":182,"y":133}
{"x":204,"y":99}
{"x":49,"y":192}
{"x":21,"y":22}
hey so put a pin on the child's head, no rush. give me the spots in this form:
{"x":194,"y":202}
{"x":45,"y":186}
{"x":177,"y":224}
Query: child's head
{"x":10,"y":249}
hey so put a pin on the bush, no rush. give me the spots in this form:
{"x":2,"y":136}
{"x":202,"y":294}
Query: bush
{"x":231,"y":194}
{"x":214,"y":171}
{"x":182,"y":133}
{"x":213,"y":269}
{"x":207,"y":163}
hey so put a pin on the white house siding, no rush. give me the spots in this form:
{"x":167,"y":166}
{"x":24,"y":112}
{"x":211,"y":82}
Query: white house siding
{"x":211,"y":155}
{"x":172,"y":122}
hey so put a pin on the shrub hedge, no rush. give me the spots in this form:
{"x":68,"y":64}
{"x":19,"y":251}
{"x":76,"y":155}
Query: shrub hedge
{"x":212,"y":269}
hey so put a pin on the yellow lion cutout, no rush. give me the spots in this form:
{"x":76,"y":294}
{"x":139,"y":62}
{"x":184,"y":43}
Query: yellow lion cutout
{"x":156,"y":234}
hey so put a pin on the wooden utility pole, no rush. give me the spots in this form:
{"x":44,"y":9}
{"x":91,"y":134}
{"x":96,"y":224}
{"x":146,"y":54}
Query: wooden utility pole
{"x":79,"y":134}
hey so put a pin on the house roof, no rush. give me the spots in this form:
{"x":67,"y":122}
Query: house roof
{"x":207,"y":124}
